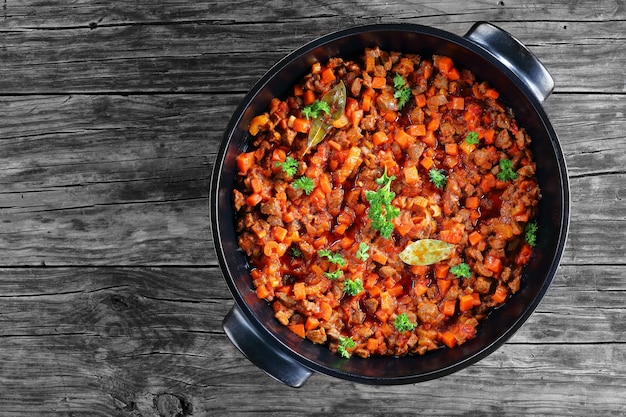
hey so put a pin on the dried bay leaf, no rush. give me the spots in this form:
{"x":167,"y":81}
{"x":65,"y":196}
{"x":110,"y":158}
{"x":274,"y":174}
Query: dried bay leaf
{"x":426,"y":252}
{"x":321,"y":125}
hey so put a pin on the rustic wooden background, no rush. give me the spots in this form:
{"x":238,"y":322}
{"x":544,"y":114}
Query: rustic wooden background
{"x":111,"y":299}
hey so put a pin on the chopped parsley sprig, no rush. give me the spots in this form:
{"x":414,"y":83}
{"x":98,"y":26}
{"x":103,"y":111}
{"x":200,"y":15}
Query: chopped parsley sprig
{"x":438,"y":177}
{"x":403,"y":91}
{"x":345,"y":343}
{"x":332,"y":257}
{"x":403,"y":324}
{"x":472,"y":138}
{"x":381,"y":211}
{"x":461,"y":270}
{"x":506,"y":170}
{"x":530,"y":233}
{"x":353,"y":287}
{"x":305,"y":184}
{"x":362,"y":253}
{"x":289,"y":166}
{"x":313,"y":110}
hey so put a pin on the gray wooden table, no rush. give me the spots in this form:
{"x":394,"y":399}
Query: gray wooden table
{"x":111,"y":299}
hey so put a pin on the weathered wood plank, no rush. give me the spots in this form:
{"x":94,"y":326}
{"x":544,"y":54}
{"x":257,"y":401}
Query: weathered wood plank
{"x":71,"y":380}
{"x":207,"y":57}
{"x":90,"y":179}
{"x":112,"y":341}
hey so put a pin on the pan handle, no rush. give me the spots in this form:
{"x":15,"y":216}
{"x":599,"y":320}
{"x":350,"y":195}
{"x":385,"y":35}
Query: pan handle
{"x":517,"y":57}
{"x":266,"y":355}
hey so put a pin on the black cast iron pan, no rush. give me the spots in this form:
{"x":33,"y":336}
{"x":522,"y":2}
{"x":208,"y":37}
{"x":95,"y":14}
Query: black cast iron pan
{"x":523,"y":82}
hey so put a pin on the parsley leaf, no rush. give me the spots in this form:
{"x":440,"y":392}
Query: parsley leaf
{"x":332,"y":257}
{"x":345,"y":343}
{"x":403,"y":324}
{"x":530,"y":233}
{"x":304,"y":183}
{"x":352,"y":287}
{"x":438,"y":177}
{"x":381,"y":211}
{"x":461,"y":270}
{"x":506,"y":170}
{"x":334,"y":275}
{"x":472,"y":138}
{"x":312,"y":110}
{"x":362,"y":253}
{"x":289,"y":167}
{"x":295,"y":252}
{"x":403,"y":91}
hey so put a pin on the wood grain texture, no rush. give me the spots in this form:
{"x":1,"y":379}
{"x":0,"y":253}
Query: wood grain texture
{"x":111,"y":300}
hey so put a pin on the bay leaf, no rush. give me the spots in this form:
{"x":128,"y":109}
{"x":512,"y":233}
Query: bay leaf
{"x":426,"y":252}
{"x":321,"y":125}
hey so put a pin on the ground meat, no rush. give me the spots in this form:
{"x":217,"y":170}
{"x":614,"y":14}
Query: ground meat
{"x":326,"y":219}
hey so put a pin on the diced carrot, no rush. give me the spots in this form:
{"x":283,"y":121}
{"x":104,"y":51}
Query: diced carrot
{"x":311,"y":323}
{"x":309,"y":97}
{"x":316,"y":269}
{"x":253,"y":199}
{"x":396,"y":291}
{"x":301,"y":125}
{"x":280,"y":233}
{"x":328,"y":75}
{"x":453,"y":74}
{"x":467,"y":148}
{"x":379,"y":82}
{"x":429,"y":139}
{"x":524,"y":254}
{"x":411,"y":176}
{"x":298,"y":90}
{"x":417,"y":130}
{"x":420,"y":100}
{"x":493,"y":263}
{"x":449,"y":339}
{"x":325,"y":311}
{"x":449,"y":307}
{"x":382,"y":315}
{"x":297,"y":329}
{"x":472,"y":202}
{"x":457,"y":103}
{"x":445,"y":64}
{"x":487,"y":182}
{"x":245,"y":161}
{"x":420,"y":289}
{"x":466,"y":302}
{"x":451,"y":161}
{"x":325,"y":183}
{"x":474,"y":238}
{"x":356,"y":117}
{"x":378,"y":256}
{"x":369,"y":63}
{"x":257,"y":122}
{"x":372,"y":344}
{"x":452,"y":236}
{"x":379,"y":138}
{"x":433,"y":124}
{"x":374,"y":291}
{"x":443,"y":285}
{"x":390,"y":116}
{"x":299,"y":291}
{"x":489,"y":136}
{"x":262,"y":291}
{"x":403,"y":139}
{"x":499,"y":296}
{"x":476,"y":297}
{"x":366,"y":102}
{"x":492,"y":93}
{"x":441,"y":270}
{"x":452,"y":148}
{"x":427,"y":163}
